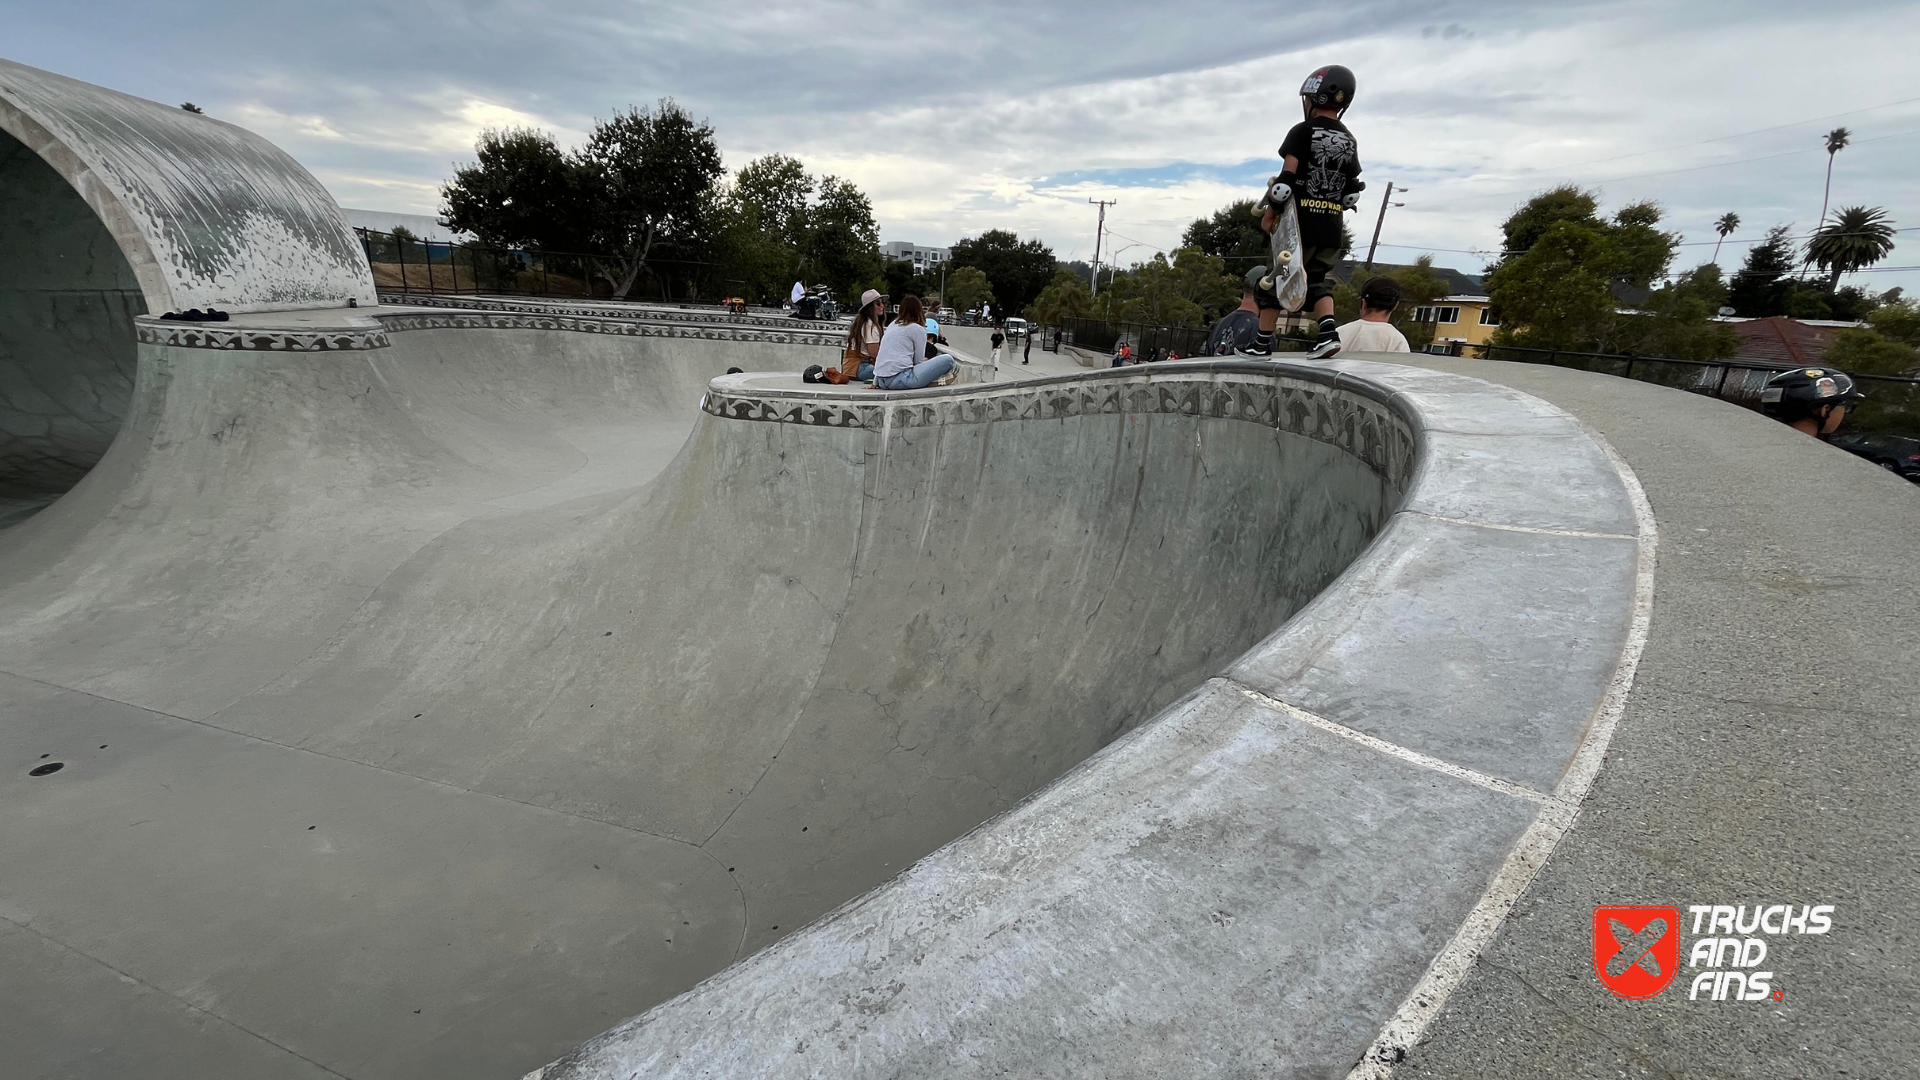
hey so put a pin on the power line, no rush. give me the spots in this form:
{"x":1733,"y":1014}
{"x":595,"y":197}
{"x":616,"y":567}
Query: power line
{"x":1667,"y":172}
{"x":1697,"y":142}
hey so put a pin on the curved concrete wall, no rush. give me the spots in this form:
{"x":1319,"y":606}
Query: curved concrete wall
{"x":68,"y":299}
{"x":1268,"y":877}
{"x":207,"y":214}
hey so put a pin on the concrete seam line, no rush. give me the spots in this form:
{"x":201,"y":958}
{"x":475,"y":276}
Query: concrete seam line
{"x":1415,"y":757}
{"x":1524,"y":528}
{"x":1409,"y":1024}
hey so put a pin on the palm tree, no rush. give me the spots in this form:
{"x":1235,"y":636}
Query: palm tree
{"x":1728,"y":222}
{"x":1837,"y":140}
{"x":1858,"y":236}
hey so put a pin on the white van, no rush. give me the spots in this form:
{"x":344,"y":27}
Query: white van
{"x":1016,"y":328}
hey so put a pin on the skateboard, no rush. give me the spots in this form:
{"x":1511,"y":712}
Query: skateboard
{"x":1285,"y":275}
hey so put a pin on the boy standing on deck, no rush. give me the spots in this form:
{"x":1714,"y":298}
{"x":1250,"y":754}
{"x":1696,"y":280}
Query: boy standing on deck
{"x":1320,"y":172}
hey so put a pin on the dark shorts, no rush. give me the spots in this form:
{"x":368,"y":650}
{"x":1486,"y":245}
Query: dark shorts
{"x":1319,"y":263}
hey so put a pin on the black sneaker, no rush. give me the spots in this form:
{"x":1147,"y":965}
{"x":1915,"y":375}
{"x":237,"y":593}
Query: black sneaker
{"x":1328,"y":345}
{"x":1256,"y":350}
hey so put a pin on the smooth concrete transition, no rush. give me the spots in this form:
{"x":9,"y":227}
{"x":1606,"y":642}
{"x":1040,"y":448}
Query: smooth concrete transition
{"x":67,"y":304}
{"x":1260,"y":879}
{"x":435,"y":689}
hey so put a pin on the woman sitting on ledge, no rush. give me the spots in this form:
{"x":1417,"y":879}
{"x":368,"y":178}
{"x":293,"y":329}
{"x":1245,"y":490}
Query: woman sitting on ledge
{"x":863,"y":337}
{"x":901,"y":364}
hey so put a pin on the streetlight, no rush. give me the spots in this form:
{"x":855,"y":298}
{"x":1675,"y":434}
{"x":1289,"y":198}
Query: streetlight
{"x":1381,"y":220}
{"x":1113,"y":263}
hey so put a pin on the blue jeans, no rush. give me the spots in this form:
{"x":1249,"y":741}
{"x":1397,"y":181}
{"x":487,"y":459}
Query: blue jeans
{"x":865,"y":374}
{"x":916,"y":376}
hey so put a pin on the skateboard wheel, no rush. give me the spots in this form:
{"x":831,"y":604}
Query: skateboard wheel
{"x":1286,"y":257}
{"x":1266,"y":284}
{"x":1259,"y":211}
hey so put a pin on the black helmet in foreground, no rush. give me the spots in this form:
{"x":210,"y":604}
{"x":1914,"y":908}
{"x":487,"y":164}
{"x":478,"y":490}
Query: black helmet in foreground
{"x":1331,"y":87}
{"x":1797,"y":394}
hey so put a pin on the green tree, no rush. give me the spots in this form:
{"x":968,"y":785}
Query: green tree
{"x":1530,"y":222}
{"x":1837,"y":140}
{"x":967,"y":287}
{"x":1556,"y":294}
{"x":1728,"y":222}
{"x":522,"y":191}
{"x":1231,"y":233}
{"x":1065,"y":297}
{"x":651,"y":173}
{"x":1554,"y":284}
{"x":1679,"y":319}
{"x":1018,"y":270}
{"x":1888,"y":345}
{"x":842,"y":240}
{"x":1760,"y":287}
{"x":1857,"y":237}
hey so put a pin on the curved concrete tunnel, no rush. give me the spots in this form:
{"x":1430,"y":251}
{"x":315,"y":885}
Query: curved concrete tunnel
{"x":113,"y":206}
{"x":68,"y":298}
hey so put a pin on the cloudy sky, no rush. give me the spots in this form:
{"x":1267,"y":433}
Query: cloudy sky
{"x":961,"y":117}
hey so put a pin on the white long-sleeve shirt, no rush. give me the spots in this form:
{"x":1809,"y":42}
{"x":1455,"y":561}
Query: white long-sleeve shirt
{"x":901,"y":347}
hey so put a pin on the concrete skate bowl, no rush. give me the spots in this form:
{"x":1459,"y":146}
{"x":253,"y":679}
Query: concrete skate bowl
{"x":111,"y":205}
{"x":698,"y":678}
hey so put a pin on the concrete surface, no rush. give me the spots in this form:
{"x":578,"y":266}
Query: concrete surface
{"x":1765,"y":756}
{"x":67,"y":304}
{"x":1260,"y":878}
{"x":460,"y":664}
{"x":207,"y":214}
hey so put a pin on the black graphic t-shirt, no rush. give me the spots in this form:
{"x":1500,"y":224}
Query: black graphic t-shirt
{"x":1235,"y":330}
{"x":1329,"y":163}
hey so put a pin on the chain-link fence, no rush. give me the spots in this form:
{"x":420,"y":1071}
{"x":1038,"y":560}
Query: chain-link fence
{"x":1892,"y":405}
{"x":407,"y":264}
{"x":1148,"y":341}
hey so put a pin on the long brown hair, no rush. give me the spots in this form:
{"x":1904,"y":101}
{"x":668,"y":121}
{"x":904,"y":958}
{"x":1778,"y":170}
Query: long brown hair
{"x":911,"y":313}
{"x":865,"y":317}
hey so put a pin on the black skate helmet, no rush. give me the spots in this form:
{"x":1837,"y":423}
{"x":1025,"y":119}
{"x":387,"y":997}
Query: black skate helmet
{"x":1331,"y":87}
{"x":1798,"y":394}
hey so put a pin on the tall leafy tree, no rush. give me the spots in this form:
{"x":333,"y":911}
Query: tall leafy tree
{"x":522,"y":191}
{"x":652,"y":172}
{"x":1555,"y":284}
{"x":1065,"y":297}
{"x":1232,"y":233}
{"x":1527,"y":224}
{"x":1837,"y":140}
{"x":842,"y":240}
{"x":967,"y":287}
{"x":1728,"y":222}
{"x":1857,"y":237}
{"x":1018,"y":270}
{"x":759,"y":223}
{"x":1761,"y":285}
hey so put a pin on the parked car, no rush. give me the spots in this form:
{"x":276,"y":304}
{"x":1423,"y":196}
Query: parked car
{"x":1893,"y":453}
{"x":1016,"y":328}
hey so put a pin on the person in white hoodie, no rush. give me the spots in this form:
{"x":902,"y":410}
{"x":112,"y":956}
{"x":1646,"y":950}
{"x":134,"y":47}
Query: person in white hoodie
{"x":1371,"y":332}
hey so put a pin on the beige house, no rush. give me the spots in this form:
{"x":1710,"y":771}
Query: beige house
{"x":1458,"y":321}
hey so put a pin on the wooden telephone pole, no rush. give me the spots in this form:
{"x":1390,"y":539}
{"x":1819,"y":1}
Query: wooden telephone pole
{"x":1098,"y":230}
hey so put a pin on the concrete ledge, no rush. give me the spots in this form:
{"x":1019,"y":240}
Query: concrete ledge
{"x":1284,"y":871}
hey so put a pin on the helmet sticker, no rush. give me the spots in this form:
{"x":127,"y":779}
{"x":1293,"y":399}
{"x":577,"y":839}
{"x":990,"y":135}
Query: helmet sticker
{"x":1312,"y":85}
{"x":1770,"y":394}
{"x":1825,"y":388}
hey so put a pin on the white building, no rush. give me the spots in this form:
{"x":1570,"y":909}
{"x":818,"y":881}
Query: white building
{"x":423,"y":226}
{"x":922,"y":258}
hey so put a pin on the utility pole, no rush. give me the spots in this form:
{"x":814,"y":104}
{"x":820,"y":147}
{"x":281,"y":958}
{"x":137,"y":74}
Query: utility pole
{"x":1381,"y":220}
{"x":1097,"y":231}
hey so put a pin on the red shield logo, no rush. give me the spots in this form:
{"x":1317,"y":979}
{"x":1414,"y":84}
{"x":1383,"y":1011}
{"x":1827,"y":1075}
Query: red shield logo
{"x":1636,"y":950}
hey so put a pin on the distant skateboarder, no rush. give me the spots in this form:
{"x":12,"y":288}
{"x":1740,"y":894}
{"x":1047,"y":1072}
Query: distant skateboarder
{"x":1320,"y":174}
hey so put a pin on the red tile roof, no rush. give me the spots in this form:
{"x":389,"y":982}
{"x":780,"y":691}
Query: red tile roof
{"x":1786,"y":340}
